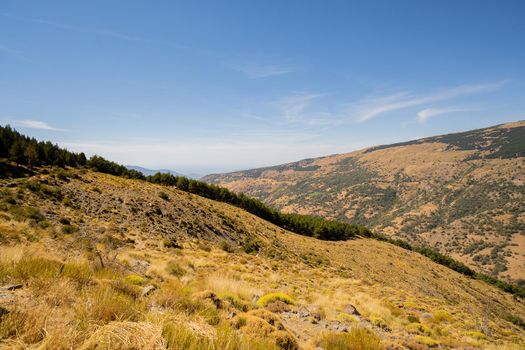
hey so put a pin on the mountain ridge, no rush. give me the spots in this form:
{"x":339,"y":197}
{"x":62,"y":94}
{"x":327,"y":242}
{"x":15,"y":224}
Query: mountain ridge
{"x":419,"y":190}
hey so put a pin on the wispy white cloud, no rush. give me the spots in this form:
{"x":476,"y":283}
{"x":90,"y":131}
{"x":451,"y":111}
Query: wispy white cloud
{"x":428,"y":113}
{"x":36,"y":124}
{"x":373,"y":106}
{"x":294,"y":106}
{"x":299,"y":108}
{"x":257,"y":71}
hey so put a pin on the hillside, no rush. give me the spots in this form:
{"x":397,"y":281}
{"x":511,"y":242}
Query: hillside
{"x":463,"y":194}
{"x":94,"y":261}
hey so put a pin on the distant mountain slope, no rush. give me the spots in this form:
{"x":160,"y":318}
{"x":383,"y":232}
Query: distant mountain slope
{"x":462,"y":193}
{"x":148,"y":172}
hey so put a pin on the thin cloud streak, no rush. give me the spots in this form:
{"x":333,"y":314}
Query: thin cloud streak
{"x":36,"y":124}
{"x":296,"y":109}
{"x":372,"y":107}
{"x":424,"y":115}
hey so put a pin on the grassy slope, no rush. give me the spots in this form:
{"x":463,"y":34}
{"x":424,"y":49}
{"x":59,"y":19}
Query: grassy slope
{"x":404,"y":298}
{"x":451,"y":192}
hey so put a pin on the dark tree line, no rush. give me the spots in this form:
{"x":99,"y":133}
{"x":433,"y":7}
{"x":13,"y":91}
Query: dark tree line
{"x":305,"y":225}
{"x":24,"y":150}
{"x":28,"y":151}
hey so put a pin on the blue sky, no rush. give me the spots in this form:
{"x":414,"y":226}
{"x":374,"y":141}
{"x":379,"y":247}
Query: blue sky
{"x":208,"y":86}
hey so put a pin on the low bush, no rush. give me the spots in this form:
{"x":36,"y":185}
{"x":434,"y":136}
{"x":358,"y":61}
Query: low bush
{"x":271,"y":297}
{"x":164,"y":196}
{"x":26,"y":213}
{"x":174,"y":268}
{"x":135,"y":279}
{"x":227,"y":247}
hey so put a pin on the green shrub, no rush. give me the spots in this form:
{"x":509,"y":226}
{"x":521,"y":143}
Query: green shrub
{"x":226,"y":246}
{"x":135,"y":279}
{"x":271,"y":297}
{"x":251,"y":246}
{"x":69,"y":229}
{"x":43,"y":224}
{"x":164,"y":196}
{"x":170,"y":243}
{"x":174,"y":268}
{"x":26,"y":213}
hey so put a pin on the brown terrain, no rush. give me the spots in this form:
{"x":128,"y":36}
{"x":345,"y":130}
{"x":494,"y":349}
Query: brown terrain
{"x":463,"y":194}
{"x":94,"y":261}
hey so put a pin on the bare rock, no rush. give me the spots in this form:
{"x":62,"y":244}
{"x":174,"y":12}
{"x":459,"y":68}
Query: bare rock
{"x":148,"y":290}
{"x":351,"y":310}
{"x":11,"y":287}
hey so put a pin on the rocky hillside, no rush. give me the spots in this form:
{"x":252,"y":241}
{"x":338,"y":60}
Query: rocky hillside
{"x":94,"y":261}
{"x":463,"y":194}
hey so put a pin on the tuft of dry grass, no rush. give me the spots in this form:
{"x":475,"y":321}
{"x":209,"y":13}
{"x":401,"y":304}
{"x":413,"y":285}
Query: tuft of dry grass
{"x":126,"y":336}
{"x":356,"y":339}
{"x":223,"y":283}
{"x":25,"y":324}
{"x":103,"y":304}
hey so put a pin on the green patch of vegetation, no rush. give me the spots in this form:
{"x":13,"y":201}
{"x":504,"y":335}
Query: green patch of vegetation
{"x":516,"y":320}
{"x":427,"y":341}
{"x":135,"y":279}
{"x":26,"y":213}
{"x":271,"y":297}
{"x":227,"y":246}
{"x":69,"y":229}
{"x":251,"y":246}
{"x":164,"y":196}
{"x":175,"y":269}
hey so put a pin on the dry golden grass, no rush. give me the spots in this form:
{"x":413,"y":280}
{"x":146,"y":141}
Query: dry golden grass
{"x":356,"y":339}
{"x":126,"y":336}
{"x":71,"y":300}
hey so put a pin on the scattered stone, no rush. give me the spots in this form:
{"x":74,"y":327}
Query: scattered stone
{"x":425,"y":316}
{"x":303,"y":312}
{"x":148,"y":290}
{"x":351,"y":310}
{"x":11,"y":287}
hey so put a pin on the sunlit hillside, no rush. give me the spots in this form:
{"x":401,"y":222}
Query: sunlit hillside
{"x":462,"y":193}
{"x":94,"y":261}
